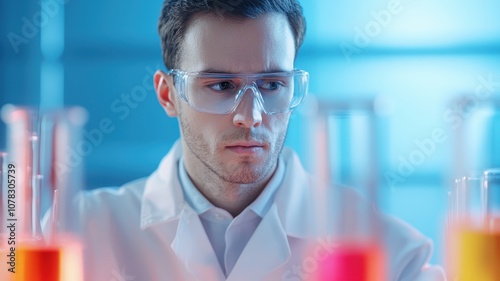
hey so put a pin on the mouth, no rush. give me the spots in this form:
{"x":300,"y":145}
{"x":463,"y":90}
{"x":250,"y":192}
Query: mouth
{"x":246,"y":147}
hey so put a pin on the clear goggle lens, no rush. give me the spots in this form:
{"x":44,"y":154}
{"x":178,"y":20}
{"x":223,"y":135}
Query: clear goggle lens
{"x":220,"y":93}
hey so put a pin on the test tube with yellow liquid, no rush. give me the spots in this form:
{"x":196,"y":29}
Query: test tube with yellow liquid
{"x":478,"y":239}
{"x":473,"y":234}
{"x":478,"y":255}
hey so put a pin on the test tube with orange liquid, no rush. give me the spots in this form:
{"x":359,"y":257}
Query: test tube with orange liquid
{"x":58,"y":256}
{"x":50,"y":262}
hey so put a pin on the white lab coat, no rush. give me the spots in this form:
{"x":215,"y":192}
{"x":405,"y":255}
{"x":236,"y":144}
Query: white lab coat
{"x":146,"y":231}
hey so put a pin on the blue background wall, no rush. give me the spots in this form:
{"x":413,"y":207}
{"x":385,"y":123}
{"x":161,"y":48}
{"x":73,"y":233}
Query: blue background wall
{"x":416,"y":56}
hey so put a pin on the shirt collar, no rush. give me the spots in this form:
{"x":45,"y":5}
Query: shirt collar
{"x":259,"y":206}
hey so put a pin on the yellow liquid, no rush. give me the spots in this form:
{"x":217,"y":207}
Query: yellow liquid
{"x":478,"y":256}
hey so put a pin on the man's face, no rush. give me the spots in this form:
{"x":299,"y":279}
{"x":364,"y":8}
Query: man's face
{"x":241,"y":147}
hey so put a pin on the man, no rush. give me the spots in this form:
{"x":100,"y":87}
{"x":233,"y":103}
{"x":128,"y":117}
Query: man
{"x":226,"y":203}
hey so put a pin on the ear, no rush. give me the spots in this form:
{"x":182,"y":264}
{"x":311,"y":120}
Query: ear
{"x":165,"y":92}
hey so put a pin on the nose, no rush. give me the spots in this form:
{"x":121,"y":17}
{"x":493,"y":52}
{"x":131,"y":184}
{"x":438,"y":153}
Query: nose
{"x":248,"y":113}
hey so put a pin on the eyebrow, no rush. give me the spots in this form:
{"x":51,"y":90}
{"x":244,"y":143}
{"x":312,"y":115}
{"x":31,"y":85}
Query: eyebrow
{"x":214,"y":70}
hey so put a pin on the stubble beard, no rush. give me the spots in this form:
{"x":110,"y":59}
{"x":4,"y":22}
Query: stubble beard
{"x":243,"y":172}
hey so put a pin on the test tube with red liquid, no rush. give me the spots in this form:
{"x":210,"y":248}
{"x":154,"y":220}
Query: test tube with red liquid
{"x":57,"y":256}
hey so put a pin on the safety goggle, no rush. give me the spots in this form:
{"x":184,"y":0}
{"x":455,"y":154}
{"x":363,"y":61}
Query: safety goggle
{"x":220,"y":93}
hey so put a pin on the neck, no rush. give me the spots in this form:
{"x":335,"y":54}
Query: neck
{"x":232,"y":197}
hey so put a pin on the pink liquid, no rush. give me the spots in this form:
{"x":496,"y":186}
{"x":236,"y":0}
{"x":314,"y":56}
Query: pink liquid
{"x":353,"y":263}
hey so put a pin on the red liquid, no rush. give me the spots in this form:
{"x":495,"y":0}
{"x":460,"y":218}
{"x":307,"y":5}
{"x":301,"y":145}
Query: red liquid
{"x":353,"y":263}
{"x":38,"y":264}
{"x":62,"y":262}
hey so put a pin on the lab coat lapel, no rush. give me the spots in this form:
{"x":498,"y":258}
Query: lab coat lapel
{"x":265,"y":251}
{"x":192,"y":247}
{"x":163,"y":199}
{"x":297,"y":200}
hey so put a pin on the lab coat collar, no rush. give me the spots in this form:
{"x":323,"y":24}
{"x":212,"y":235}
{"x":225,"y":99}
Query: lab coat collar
{"x":297,"y":199}
{"x":269,"y":244}
{"x":192,"y":247}
{"x":163,"y":198}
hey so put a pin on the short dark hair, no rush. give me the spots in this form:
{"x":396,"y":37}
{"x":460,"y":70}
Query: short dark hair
{"x":175,"y":16}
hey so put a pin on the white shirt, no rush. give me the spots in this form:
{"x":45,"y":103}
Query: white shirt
{"x":147,"y":231}
{"x":229,"y":235}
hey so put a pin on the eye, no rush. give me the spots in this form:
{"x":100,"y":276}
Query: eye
{"x":270,"y":85}
{"x":221,"y":86}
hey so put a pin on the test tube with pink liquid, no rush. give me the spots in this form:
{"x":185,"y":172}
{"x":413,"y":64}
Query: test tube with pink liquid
{"x":344,"y":151}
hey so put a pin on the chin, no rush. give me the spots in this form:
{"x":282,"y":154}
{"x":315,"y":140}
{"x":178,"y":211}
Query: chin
{"x":247,"y":174}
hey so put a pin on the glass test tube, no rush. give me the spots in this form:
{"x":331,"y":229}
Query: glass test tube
{"x":478,"y":239}
{"x":474,"y":245}
{"x":466,"y":215}
{"x":19,"y":129}
{"x":6,"y":264}
{"x":62,"y":251}
{"x":346,"y":145}
{"x":59,"y":257}
{"x":491,"y":186}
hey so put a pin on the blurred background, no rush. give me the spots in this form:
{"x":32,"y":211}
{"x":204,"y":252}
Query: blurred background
{"x":415,"y":57}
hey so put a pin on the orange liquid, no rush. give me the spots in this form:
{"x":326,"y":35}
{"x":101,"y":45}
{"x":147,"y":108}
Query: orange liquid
{"x":49,"y":263}
{"x":353,"y":263}
{"x":4,"y":266}
{"x":38,"y":264}
{"x":478,"y":256}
